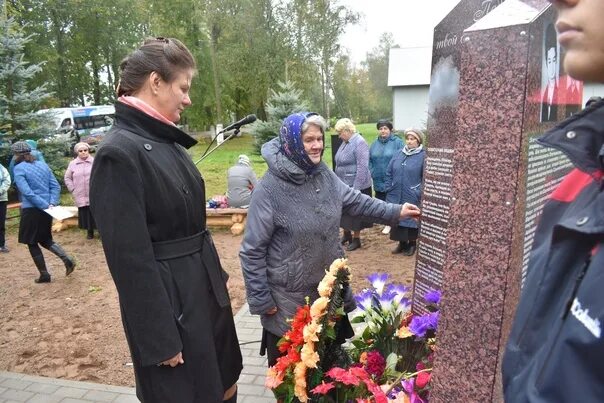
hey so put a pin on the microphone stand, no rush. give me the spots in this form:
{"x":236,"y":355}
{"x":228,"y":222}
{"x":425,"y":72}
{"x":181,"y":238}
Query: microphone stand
{"x":207,"y":153}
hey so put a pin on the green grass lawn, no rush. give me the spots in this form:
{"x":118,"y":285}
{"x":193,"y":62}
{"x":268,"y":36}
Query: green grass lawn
{"x":214,"y":167}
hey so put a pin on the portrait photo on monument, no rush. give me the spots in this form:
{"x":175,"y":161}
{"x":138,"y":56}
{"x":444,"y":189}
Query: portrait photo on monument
{"x":550,"y":74}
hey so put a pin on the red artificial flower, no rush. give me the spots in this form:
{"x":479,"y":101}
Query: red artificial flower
{"x":348,"y":379}
{"x":335,"y":372}
{"x":359,"y":372}
{"x":422,"y":379}
{"x":378,"y":393}
{"x":323,"y":388}
{"x":375,"y":363}
{"x":284,"y":344}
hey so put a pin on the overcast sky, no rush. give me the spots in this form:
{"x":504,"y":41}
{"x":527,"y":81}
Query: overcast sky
{"x":410,"y":21}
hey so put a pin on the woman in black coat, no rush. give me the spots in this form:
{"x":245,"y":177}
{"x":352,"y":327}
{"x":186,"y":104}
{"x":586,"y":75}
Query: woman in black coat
{"x":148,"y":200}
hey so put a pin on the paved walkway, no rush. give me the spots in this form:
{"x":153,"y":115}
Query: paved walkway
{"x":16,"y":387}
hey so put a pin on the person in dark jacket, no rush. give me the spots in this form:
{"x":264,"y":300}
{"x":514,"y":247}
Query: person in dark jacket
{"x":555,"y":351}
{"x":385,"y":146}
{"x":38,"y":191}
{"x":352,"y":167}
{"x":404,"y":185}
{"x":291,"y":235}
{"x":148,"y":201}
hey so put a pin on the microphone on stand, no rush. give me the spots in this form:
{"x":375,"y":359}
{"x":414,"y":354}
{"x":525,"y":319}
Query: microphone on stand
{"x":237,"y":125}
{"x":233,"y":126}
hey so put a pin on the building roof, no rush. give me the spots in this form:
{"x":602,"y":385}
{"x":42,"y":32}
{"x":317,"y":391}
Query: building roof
{"x":409,"y":66}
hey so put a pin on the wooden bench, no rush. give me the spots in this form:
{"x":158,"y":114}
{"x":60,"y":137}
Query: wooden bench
{"x":234,"y":218}
{"x":60,"y":225}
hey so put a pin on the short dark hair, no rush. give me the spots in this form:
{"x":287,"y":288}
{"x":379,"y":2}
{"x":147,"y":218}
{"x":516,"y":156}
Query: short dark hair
{"x":165,"y":56}
{"x":551,"y":39}
{"x":24,"y":157}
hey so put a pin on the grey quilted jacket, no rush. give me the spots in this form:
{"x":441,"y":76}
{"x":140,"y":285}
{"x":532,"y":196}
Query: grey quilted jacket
{"x":292,"y":235}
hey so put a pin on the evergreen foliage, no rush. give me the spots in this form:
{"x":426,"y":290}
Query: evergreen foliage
{"x":18,"y":102}
{"x":281,"y":103}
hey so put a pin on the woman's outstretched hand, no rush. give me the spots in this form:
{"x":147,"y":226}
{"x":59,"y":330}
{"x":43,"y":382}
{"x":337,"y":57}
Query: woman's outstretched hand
{"x":410,"y":211}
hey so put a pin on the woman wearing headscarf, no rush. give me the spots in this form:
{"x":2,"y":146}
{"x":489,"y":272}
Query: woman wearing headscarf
{"x":77,"y":180}
{"x":241,"y":180}
{"x":148,"y":200}
{"x":385,"y":146}
{"x":352,"y":167}
{"x":291,"y":235}
{"x":38,"y":191}
{"x":404,"y":185}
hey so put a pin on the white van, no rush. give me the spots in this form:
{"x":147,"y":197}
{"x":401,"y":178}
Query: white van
{"x":89,"y":122}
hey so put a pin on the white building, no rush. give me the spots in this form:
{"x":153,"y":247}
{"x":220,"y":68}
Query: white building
{"x":409,"y":76}
{"x":409,"y":72}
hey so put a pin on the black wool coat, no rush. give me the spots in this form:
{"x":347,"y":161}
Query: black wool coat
{"x":145,"y":192}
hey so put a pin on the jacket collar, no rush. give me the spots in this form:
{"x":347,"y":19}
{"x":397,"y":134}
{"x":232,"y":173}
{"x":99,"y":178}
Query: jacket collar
{"x":581,"y":138}
{"x":148,"y":127}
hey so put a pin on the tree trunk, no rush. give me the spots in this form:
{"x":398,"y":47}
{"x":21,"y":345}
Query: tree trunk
{"x":217,"y":94}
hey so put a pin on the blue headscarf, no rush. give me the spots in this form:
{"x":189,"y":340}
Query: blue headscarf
{"x":292,"y":145}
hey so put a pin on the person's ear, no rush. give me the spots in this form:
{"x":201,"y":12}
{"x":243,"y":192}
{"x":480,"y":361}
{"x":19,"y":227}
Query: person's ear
{"x":154,"y":82}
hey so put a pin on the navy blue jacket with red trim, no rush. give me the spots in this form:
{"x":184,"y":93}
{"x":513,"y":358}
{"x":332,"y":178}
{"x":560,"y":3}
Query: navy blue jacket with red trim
{"x":555,"y":351}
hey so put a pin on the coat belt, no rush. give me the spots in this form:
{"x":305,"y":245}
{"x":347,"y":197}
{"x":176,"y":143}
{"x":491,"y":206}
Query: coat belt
{"x":202,"y":241}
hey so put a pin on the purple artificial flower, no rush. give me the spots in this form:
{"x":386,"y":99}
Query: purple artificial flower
{"x":408,"y":388}
{"x":364,"y":299}
{"x":386,"y":299}
{"x":433,"y":296}
{"x":399,"y":290}
{"x":432,"y":320}
{"x":404,"y":305}
{"x":418,"y":326}
{"x":378,"y":281}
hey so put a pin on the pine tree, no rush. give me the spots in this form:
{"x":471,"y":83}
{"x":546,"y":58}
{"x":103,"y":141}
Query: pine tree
{"x":281,"y":103}
{"x":18,"y":103}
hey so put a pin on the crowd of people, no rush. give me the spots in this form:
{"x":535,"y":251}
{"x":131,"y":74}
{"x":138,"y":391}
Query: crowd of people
{"x":173,"y":290}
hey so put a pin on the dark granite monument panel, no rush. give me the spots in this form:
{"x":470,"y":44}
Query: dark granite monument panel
{"x":494,"y":90}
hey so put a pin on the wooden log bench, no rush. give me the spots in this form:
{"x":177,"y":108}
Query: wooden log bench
{"x":60,"y":225}
{"x":233,"y":218}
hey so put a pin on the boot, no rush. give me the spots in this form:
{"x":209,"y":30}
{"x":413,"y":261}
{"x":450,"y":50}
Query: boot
{"x":400,"y":248}
{"x":355,"y":244}
{"x":346,"y":238}
{"x":411,"y":249}
{"x":41,"y":266}
{"x":69,"y":263}
{"x":90,"y":234}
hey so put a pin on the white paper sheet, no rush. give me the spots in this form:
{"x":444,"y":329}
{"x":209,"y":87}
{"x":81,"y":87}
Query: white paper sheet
{"x":59,"y":213}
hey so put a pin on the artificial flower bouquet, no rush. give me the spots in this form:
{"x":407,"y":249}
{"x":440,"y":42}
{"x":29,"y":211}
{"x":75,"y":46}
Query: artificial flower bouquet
{"x":390,"y":360}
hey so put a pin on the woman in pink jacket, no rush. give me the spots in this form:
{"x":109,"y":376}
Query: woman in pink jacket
{"x":77,"y":180}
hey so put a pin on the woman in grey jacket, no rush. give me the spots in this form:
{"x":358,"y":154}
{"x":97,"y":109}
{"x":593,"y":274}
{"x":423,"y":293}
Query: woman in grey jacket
{"x":293,"y":224}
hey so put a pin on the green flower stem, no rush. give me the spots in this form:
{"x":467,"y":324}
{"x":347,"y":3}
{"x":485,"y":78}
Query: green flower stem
{"x":405,"y":376}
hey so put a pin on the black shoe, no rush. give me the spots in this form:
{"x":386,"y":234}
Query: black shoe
{"x":44,"y":278}
{"x":355,"y":244}
{"x":400,"y":248}
{"x":410,"y":251}
{"x":346,"y":238}
{"x":67,"y":261}
{"x":90,"y":235}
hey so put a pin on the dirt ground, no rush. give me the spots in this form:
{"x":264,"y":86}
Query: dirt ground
{"x":71,"y":328}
